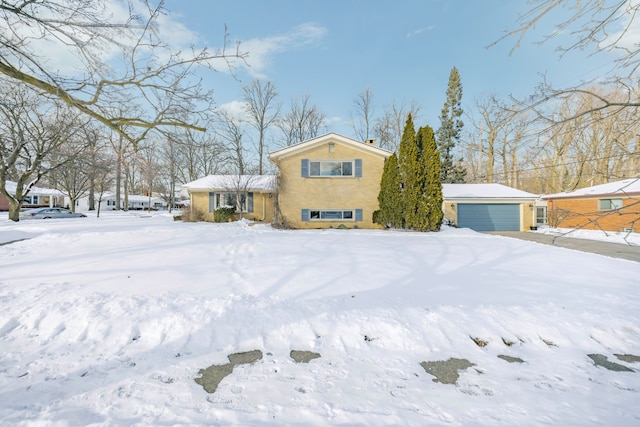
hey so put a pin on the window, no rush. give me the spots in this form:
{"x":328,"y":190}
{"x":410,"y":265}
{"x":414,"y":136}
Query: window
{"x":325,"y":168}
{"x":232,"y":200}
{"x":330,"y":168}
{"x":610,"y":204}
{"x":330,"y":215}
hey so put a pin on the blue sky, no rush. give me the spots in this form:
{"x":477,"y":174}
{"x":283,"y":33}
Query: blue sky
{"x":402,"y":50}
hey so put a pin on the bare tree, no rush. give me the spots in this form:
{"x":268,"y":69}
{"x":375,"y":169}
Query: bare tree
{"x":362,"y":123}
{"x":31,"y":135}
{"x":390,"y":126}
{"x":491,"y":128}
{"x":123,"y":58}
{"x":149,"y":172}
{"x":74,"y":179}
{"x":231,"y":131}
{"x":262,"y":110}
{"x":236,"y":191}
{"x":596,"y":26}
{"x":303,"y":121}
{"x":592,"y":26}
{"x":199,"y":154}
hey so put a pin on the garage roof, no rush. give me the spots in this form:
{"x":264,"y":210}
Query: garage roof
{"x":483,"y":191}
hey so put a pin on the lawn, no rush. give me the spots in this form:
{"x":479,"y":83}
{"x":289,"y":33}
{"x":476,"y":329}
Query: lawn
{"x":108,"y":321}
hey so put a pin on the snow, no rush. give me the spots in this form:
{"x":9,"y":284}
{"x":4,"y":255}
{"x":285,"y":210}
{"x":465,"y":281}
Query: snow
{"x":621,"y":188}
{"x":627,"y":238}
{"x":483,"y":191}
{"x":107,"y":322}
{"x":253,"y":182}
{"x":12,"y":186}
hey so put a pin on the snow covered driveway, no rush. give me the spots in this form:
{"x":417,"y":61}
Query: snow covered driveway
{"x":107,"y":321}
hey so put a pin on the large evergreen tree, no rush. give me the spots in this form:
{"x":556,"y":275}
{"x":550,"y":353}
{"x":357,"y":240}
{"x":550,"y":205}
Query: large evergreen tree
{"x":430,"y":208}
{"x":410,"y":191}
{"x":389,"y":199}
{"x":450,"y":131}
{"x":410,"y":174}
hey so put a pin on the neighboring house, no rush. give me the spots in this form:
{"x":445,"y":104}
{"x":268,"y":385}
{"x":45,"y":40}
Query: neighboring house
{"x":254,"y":195}
{"x":135,"y":202}
{"x":37,"y":197}
{"x":329,"y":181}
{"x":489,"y":207}
{"x":611,"y":207}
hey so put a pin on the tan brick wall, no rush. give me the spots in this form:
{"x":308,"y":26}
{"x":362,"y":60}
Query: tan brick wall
{"x":585,"y":213}
{"x":263,"y":206}
{"x":297,"y":193}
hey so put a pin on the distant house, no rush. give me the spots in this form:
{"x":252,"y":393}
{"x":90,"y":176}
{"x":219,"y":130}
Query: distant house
{"x":135,"y":202}
{"x":251,"y":195}
{"x":612,"y":207}
{"x":329,"y":181}
{"x":489,"y":207}
{"x":37,"y":197}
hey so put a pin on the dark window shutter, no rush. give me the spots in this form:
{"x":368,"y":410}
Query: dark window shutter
{"x":305,"y":168}
{"x":305,"y":214}
{"x":211,"y":201}
{"x":249,"y":202}
{"x":358,"y":168}
{"x":358,"y":214}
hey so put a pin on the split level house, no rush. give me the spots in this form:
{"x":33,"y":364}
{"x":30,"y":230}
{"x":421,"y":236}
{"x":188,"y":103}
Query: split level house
{"x":329,"y":181}
{"x":333,"y":182}
{"x":614,"y":206}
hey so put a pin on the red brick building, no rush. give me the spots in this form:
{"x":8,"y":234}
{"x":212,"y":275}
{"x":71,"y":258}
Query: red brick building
{"x":611,"y":207}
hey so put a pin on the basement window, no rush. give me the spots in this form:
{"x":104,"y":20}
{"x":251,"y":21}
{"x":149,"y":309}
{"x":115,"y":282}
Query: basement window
{"x":331,"y":215}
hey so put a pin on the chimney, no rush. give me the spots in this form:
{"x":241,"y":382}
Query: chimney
{"x":371,"y":142}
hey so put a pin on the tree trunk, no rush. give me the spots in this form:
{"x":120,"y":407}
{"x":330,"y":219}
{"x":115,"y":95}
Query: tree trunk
{"x":14,"y":210}
{"x":92,"y":195}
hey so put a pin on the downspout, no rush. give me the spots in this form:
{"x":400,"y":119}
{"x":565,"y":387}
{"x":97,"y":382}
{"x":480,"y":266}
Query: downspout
{"x":264,"y":207}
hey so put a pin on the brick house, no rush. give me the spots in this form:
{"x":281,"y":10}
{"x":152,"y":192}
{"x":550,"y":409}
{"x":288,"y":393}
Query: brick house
{"x":611,"y":207}
{"x":37,"y":197}
{"x":329,"y":181}
{"x":254,"y":195}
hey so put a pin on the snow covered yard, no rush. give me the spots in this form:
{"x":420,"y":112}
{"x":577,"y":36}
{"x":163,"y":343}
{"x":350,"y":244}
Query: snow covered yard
{"x":108,"y":321}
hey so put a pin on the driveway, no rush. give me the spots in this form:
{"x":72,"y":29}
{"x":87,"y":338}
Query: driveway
{"x":615,"y":250}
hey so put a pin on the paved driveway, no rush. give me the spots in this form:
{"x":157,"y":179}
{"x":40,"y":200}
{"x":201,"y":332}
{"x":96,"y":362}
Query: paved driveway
{"x":615,"y":250}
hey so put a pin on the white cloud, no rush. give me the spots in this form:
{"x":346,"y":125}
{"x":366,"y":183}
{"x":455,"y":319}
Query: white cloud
{"x":419,"y":31}
{"x":262,"y":50}
{"x":235,"y":108}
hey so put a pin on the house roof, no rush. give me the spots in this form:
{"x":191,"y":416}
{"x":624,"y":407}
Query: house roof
{"x":12,"y":185}
{"x":222,"y":182}
{"x":483,"y":191}
{"x":330,"y":137}
{"x":621,"y":188}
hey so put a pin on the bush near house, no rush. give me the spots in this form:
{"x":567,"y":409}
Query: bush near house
{"x":223,"y":214}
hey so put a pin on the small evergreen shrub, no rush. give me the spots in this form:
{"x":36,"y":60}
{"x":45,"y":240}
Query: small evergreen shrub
{"x":223,"y":214}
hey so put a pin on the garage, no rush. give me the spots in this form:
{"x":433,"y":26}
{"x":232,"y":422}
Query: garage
{"x":489,"y":216}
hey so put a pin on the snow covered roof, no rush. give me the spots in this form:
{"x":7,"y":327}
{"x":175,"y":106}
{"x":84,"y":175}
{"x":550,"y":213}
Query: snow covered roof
{"x":330,"y":137}
{"x":11,"y":188}
{"x":626,"y":186}
{"x":483,"y":191}
{"x":221,"y":182}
